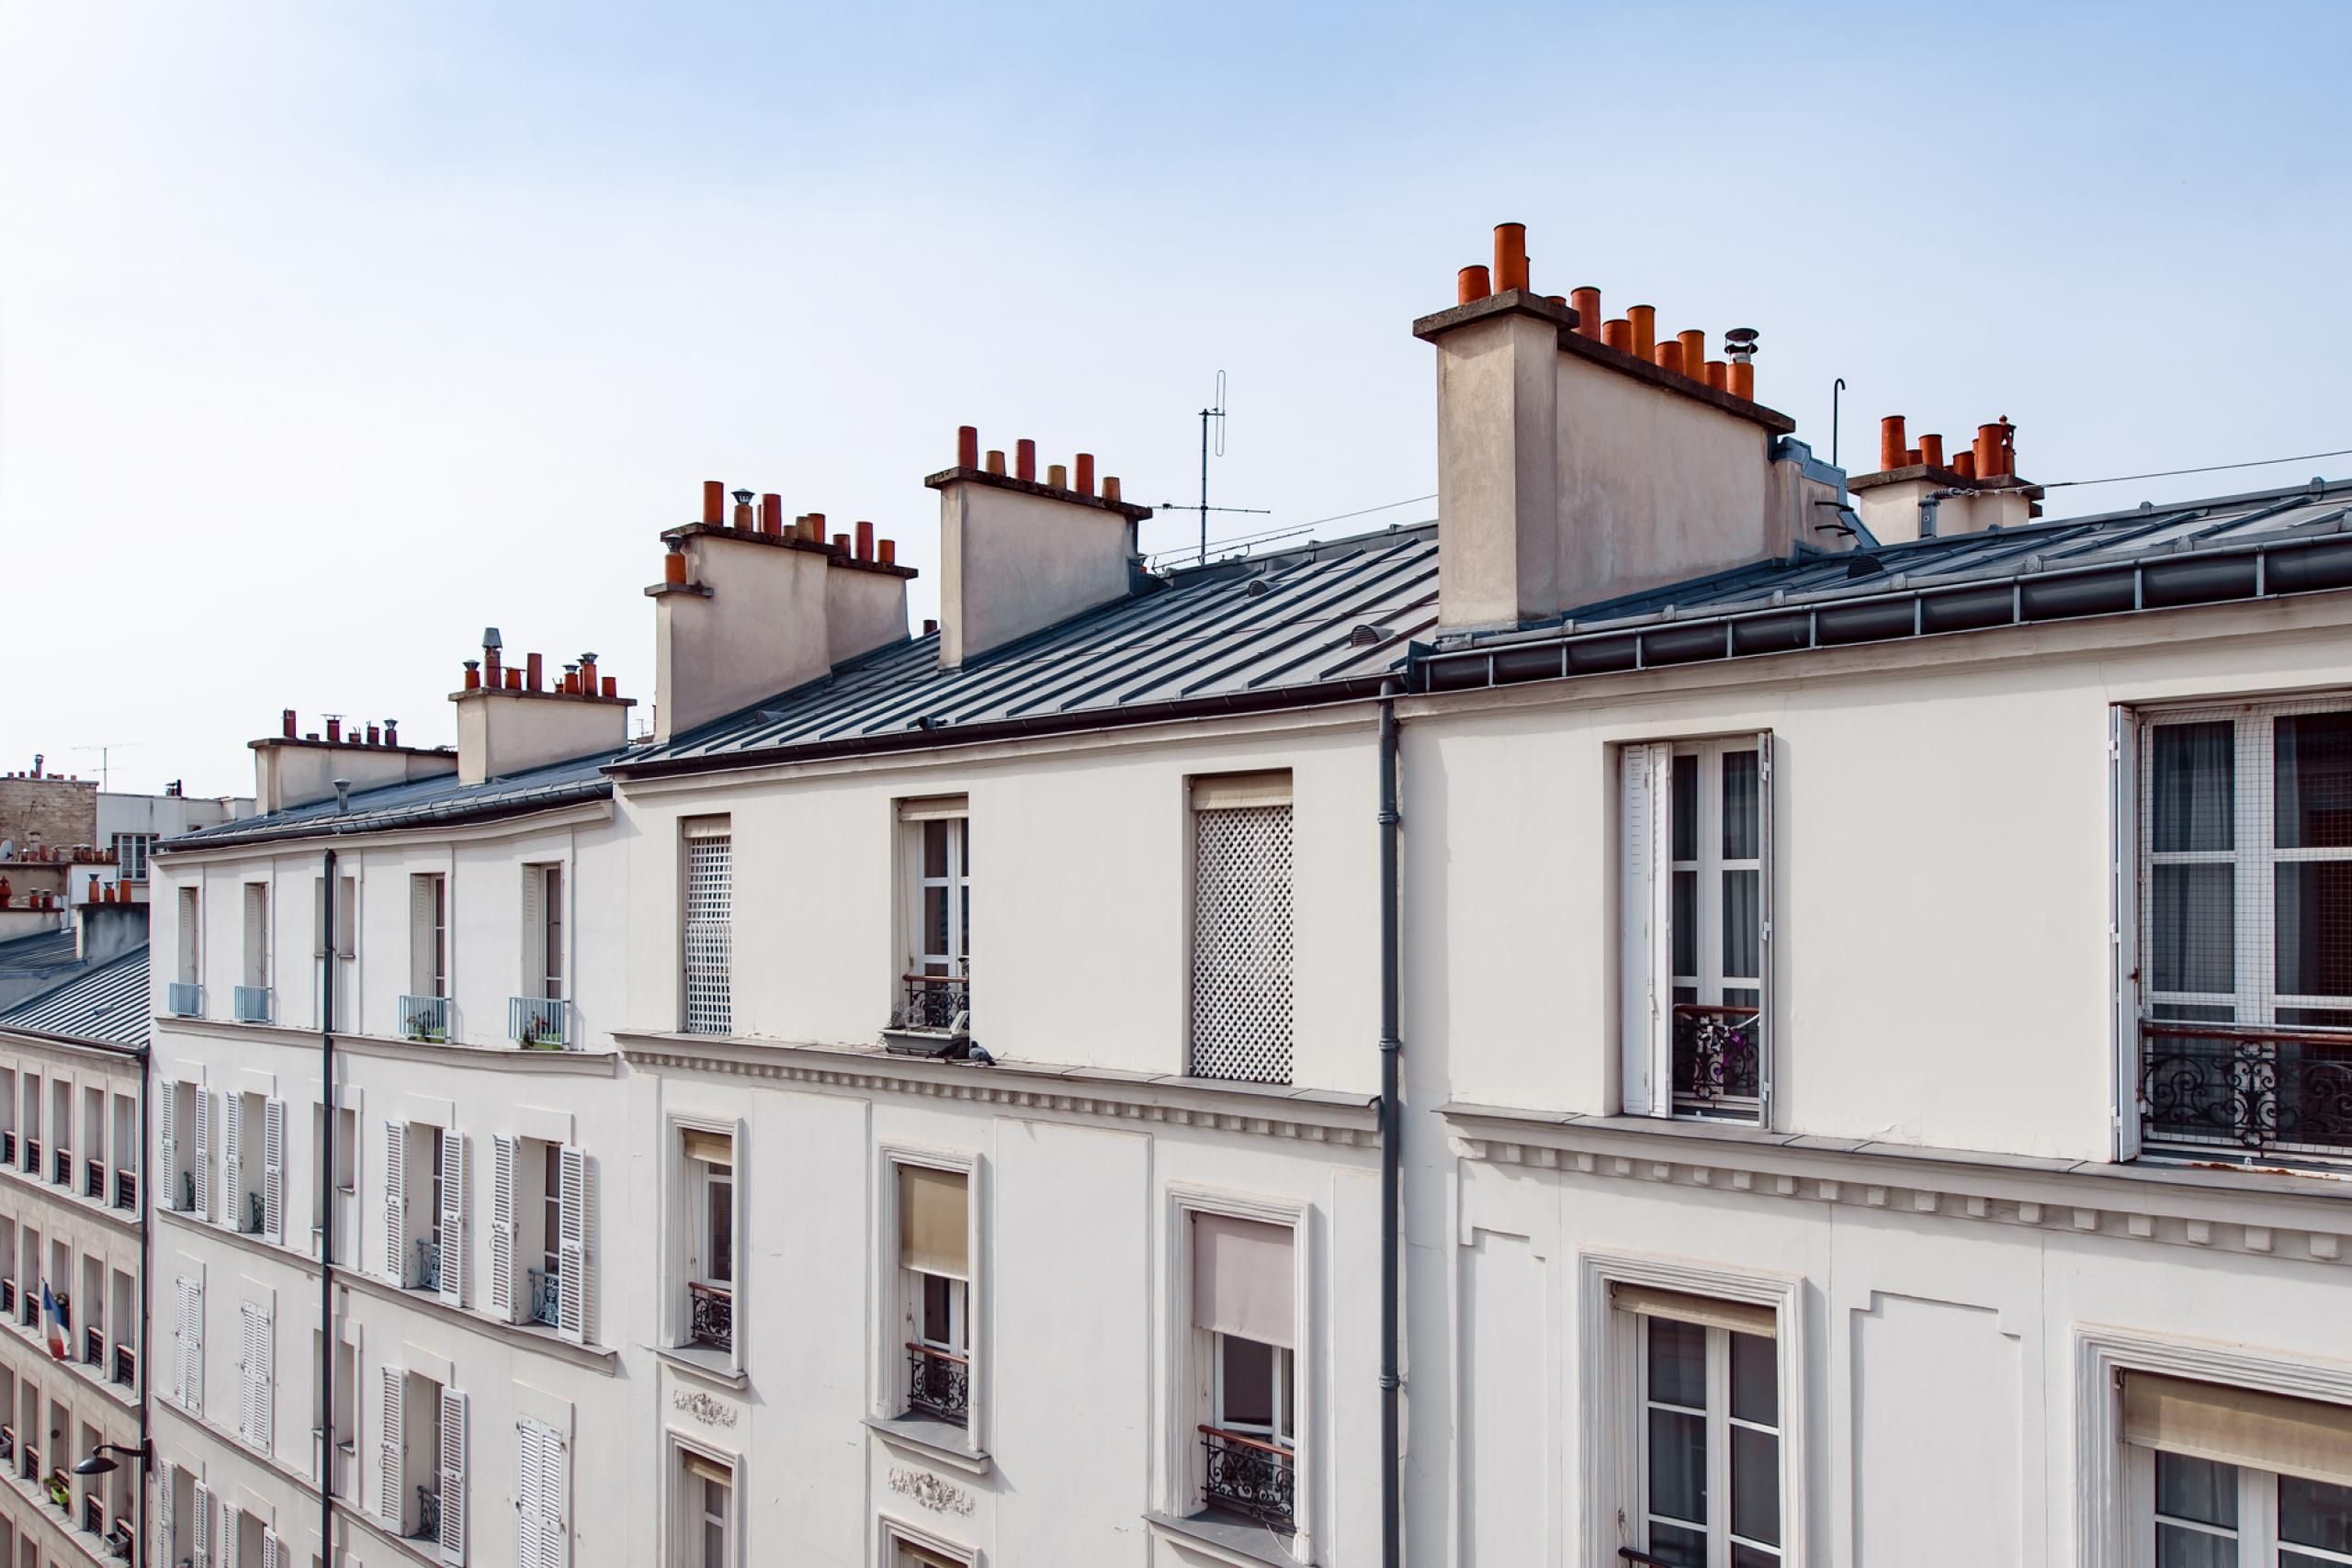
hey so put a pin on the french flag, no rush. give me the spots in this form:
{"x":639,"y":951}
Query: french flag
{"x":53,"y":1321}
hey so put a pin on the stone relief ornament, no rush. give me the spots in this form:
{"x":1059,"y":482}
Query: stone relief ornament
{"x":930,"y":1492}
{"x":703,"y":1407}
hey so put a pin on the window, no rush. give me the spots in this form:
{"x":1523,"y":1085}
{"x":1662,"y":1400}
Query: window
{"x":934,"y":1290}
{"x":344,"y":964}
{"x":706,"y":1511}
{"x":2225,"y":1477}
{"x":937,"y":912}
{"x":425,"y":1007}
{"x":190,"y":1332}
{"x":253,"y":991}
{"x":421,"y":1460}
{"x":537,"y":1015}
{"x":256,"y":1372}
{"x":1705,"y":1445}
{"x":1242,"y":927}
{"x":905,"y":1553}
{"x":131,"y":855}
{"x":2246,"y":929}
{"x":1695,"y":942}
{"x":254,"y":1165}
{"x":710,"y":1238}
{"x":187,"y":998}
{"x":708,"y":933}
{"x":425,"y":1209}
{"x":1244,"y":1319}
{"x":539,"y":1223}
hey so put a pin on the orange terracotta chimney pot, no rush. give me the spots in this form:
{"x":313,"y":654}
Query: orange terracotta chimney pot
{"x":531,"y":660}
{"x":996,"y":461}
{"x":1586,"y":303}
{"x":1911,"y":458}
{"x":967,"y":446}
{"x":1931,"y":451}
{"x":841,"y":544}
{"x":1470,"y":285}
{"x":1891,"y":442}
{"x":1719,"y":375}
{"x":1056,"y":477}
{"x":1024,"y":461}
{"x":1618,"y":333}
{"x":1743,"y":381}
{"x":1963,"y":463}
{"x":1988,"y":452}
{"x":1084,"y":483}
{"x":1110,"y":487}
{"x":1694,"y":352}
{"x":1645,"y":319}
{"x":864,"y":540}
{"x":743,"y":519}
{"x":714,"y":502}
{"x":611,"y":688}
{"x":1511,"y":257}
{"x":815,"y":525}
{"x":1668,"y":356}
{"x":771,"y":514}
{"x":887,"y":552}
{"x":514,"y":680}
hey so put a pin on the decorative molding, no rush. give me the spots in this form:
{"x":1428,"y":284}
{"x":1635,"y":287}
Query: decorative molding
{"x":1304,"y":1116}
{"x":709,"y":1409}
{"x":499,"y":1056}
{"x":2074,"y":1197}
{"x":928,"y":1490}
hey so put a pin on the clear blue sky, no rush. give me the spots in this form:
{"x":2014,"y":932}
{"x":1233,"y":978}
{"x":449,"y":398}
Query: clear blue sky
{"x":330,"y":333}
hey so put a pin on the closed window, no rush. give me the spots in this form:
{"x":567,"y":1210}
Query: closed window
{"x":542,"y":1495}
{"x":1241,"y":1015}
{"x":709,"y":935}
{"x":1704,"y":1432}
{"x":1695,"y":931}
{"x":341,"y":965}
{"x":706,"y":1522}
{"x":131,"y":855}
{"x":2224,"y":1477}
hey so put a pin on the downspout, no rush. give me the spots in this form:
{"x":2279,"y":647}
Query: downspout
{"x":147,"y":1471}
{"x":327,"y":1449}
{"x":1392,"y":1128}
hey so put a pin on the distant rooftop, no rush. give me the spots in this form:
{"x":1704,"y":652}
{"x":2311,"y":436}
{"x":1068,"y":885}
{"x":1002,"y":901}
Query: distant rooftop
{"x":107,"y":1005}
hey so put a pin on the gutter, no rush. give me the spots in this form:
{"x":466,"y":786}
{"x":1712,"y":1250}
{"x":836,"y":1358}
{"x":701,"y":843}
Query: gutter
{"x":327,"y":1099}
{"x":1392,"y":1132}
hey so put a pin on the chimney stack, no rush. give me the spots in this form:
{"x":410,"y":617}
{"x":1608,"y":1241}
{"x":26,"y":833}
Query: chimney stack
{"x":507,"y":727}
{"x":1919,"y":492}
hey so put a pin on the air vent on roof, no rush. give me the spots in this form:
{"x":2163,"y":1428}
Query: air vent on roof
{"x":1256,"y":587}
{"x":1369,"y":636}
{"x":1865,"y":565}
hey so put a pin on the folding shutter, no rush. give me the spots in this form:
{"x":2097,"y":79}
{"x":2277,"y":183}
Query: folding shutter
{"x":574,"y":1197}
{"x":2123,"y":927}
{"x":318,"y":917}
{"x":1645,"y":938}
{"x":453,"y":1476}
{"x":346,"y":919}
{"x":169,"y":1139}
{"x":502,"y":1293}
{"x":273,"y":1552}
{"x":555,"y":1526}
{"x":259,"y":1375}
{"x":256,"y":933}
{"x":248,"y":1355}
{"x":273,"y":1162}
{"x":163,"y":1520}
{"x":423,"y":946}
{"x":390,"y":1447}
{"x":226,"y":1554}
{"x":1764,"y":906}
{"x":395,"y":1200}
{"x":204,"y":1097}
{"x":201,"y":1525}
{"x":453,"y":1218}
{"x":233,"y":1162}
{"x":530,"y":1527}
{"x":192,"y":1345}
{"x":534,"y":971}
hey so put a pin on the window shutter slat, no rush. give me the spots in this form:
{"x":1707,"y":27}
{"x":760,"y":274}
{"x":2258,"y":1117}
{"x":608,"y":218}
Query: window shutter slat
{"x":2123,"y":933}
{"x":1766,"y":1067}
{"x":163,"y":1513}
{"x":424,"y":947}
{"x":1644,"y":935}
{"x":273,"y":1160}
{"x":204,"y":1098}
{"x":200,"y":1526}
{"x":453,"y":1218}
{"x":575,"y":1213}
{"x":395,"y":1200}
{"x":453,"y":1474}
{"x":233,"y":1162}
{"x":390,"y":1447}
{"x":226,"y":1553}
{"x":534,"y":971}
{"x":167,"y":1140}
{"x":256,"y":933}
{"x":502,"y":1239}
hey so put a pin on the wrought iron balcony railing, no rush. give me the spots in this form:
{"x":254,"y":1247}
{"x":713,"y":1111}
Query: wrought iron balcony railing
{"x":538,"y":1023}
{"x":251,"y":1004}
{"x":8,"y":1146}
{"x":428,"y":1266}
{"x":1715,"y":1061}
{"x":126,"y":1189}
{"x":7,"y":1296}
{"x":184,"y":1000}
{"x":94,"y":1347}
{"x":935,"y":1001}
{"x":2253,"y":1090}
{"x":186,"y":1205}
{"x":1250,"y":1476}
{"x":425,"y":1018}
{"x":32,"y":1156}
{"x":7,"y":1444}
{"x":125,"y":1366}
{"x":547,"y":1295}
{"x":428,"y":1514}
{"x":29,"y":1305}
{"x":61,"y":1167}
{"x":27,"y":1462}
{"x":938,"y":1383}
{"x":94,"y":1516}
{"x":94,"y":1179}
{"x":711,"y":1314}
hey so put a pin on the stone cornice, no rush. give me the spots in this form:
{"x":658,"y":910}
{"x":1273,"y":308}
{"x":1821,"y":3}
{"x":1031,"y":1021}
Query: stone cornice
{"x":1309,"y":1115}
{"x":499,"y":1057}
{"x":2284,"y":1214}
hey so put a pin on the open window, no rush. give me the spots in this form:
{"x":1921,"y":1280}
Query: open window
{"x":538,"y":1017}
{"x":932,"y":1011}
{"x":935,"y":1280}
{"x":1244,"y":1315}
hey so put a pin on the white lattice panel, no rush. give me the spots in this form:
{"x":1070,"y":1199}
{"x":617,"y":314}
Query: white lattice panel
{"x":710,"y":903}
{"x":1241,"y":943}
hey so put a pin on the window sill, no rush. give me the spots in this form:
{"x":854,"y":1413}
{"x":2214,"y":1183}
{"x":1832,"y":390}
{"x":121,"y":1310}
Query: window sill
{"x":700,"y":1360}
{"x":1241,"y":1542}
{"x":941,"y":1440}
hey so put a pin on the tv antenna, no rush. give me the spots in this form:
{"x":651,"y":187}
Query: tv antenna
{"x":1213,"y":416}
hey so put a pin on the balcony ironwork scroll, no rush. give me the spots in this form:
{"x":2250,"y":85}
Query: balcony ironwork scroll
{"x":939,"y":1382}
{"x":2256,"y":1091}
{"x":935,"y":1001}
{"x":1251,"y":1476}
{"x":1717,"y":1060}
{"x":711,"y":1314}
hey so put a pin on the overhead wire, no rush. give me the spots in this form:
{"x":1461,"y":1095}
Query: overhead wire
{"x":2208,"y":468}
{"x":1264,"y":534}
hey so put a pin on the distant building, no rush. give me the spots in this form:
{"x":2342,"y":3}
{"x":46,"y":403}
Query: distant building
{"x":61,"y":835}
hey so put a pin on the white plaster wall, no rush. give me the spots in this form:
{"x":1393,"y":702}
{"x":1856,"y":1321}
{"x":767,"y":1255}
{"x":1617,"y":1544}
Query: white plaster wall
{"x":1012,"y":563}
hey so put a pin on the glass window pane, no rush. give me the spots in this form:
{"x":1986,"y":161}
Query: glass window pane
{"x":2314,"y":1513}
{"x":964,"y":846}
{"x":2311,"y":763}
{"x":2180,"y":1546}
{"x":1742,"y":799}
{"x":1685,"y":808}
{"x":1249,"y":1388}
{"x":935,"y":919}
{"x":1756,"y":1485}
{"x":2314,"y":914}
{"x":1743,"y":927}
{"x":1677,"y":1357}
{"x":722,"y":1231}
{"x":2200,"y":1489}
{"x":934,"y":849}
{"x":2194,"y":927}
{"x":938,"y":1309}
{"x":1755,"y":1381}
{"x":1686,"y":922}
{"x":1752,"y":1557}
{"x":1679,"y":1465}
{"x":1684,"y":1548}
{"x":2193,"y":778}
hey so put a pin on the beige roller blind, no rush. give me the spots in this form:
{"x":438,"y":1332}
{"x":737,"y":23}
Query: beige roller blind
{"x":1243,"y":1283}
{"x":1221,"y":791}
{"x":705,"y":827}
{"x":717,"y":1148}
{"x":932,"y":1229}
{"x":708,"y":1469}
{"x":1740,"y":1317}
{"x":913,"y":1556}
{"x":935,"y":807}
{"x":2239,"y":1426}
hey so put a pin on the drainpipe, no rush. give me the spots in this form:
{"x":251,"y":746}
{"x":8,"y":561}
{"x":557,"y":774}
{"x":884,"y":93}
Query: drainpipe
{"x":326,"y":1219}
{"x":1392,"y":1131}
{"x":147,"y":1468}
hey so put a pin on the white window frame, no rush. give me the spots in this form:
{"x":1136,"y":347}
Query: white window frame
{"x":1608,"y":1365}
{"x":133,"y":868}
{"x":891,"y":1533}
{"x":688,"y":1206}
{"x":899,"y":1289}
{"x":437,"y":984}
{"x":1720,"y":1422}
{"x":2256,"y":1535}
{"x":1192,"y":1362}
{"x":1646,"y":868}
{"x":684,"y":1501}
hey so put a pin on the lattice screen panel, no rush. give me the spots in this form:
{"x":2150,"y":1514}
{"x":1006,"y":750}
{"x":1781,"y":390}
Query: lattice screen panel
{"x":710,"y":902}
{"x":1241,"y":943}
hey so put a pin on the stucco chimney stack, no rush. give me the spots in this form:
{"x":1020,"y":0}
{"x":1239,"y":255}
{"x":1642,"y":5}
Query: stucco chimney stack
{"x":1922,"y":488}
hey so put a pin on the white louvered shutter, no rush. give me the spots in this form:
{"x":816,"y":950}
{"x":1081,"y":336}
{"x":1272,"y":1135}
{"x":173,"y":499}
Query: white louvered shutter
{"x":192,"y":1345}
{"x":543,"y":1532}
{"x":2123,"y":927}
{"x":1241,"y":1023}
{"x":232,"y":1161}
{"x":390,"y":1447}
{"x":273,"y":1171}
{"x":395,"y":1202}
{"x":576,"y":1197}
{"x":503,"y":1292}
{"x":225,"y":1554}
{"x":423,"y":943}
{"x":258,"y":1374}
{"x":256,"y":933}
{"x":1645,"y":938}
{"x":1767,"y":1069}
{"x":273,"y":1552}
{"x":168,"y":1133}
{"x":534,"y":971}
{"x":453,"y":1476}
{"x":164,"y":1519}
{"x":453,"y":1218}
{"x":204,"y":1097}
{"x":200,"y":1527}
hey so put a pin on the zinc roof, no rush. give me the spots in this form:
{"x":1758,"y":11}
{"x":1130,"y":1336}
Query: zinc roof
{"x":109,"y":1005}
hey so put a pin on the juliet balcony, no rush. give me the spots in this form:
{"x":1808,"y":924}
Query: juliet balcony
{"x":2245,"y":1091}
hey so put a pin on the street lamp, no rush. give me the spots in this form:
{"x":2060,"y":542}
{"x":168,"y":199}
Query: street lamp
{"x":99,"y":1464}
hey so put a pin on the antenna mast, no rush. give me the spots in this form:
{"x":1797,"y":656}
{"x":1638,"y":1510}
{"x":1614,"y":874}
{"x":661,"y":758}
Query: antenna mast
{"x":1215,"y":414}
